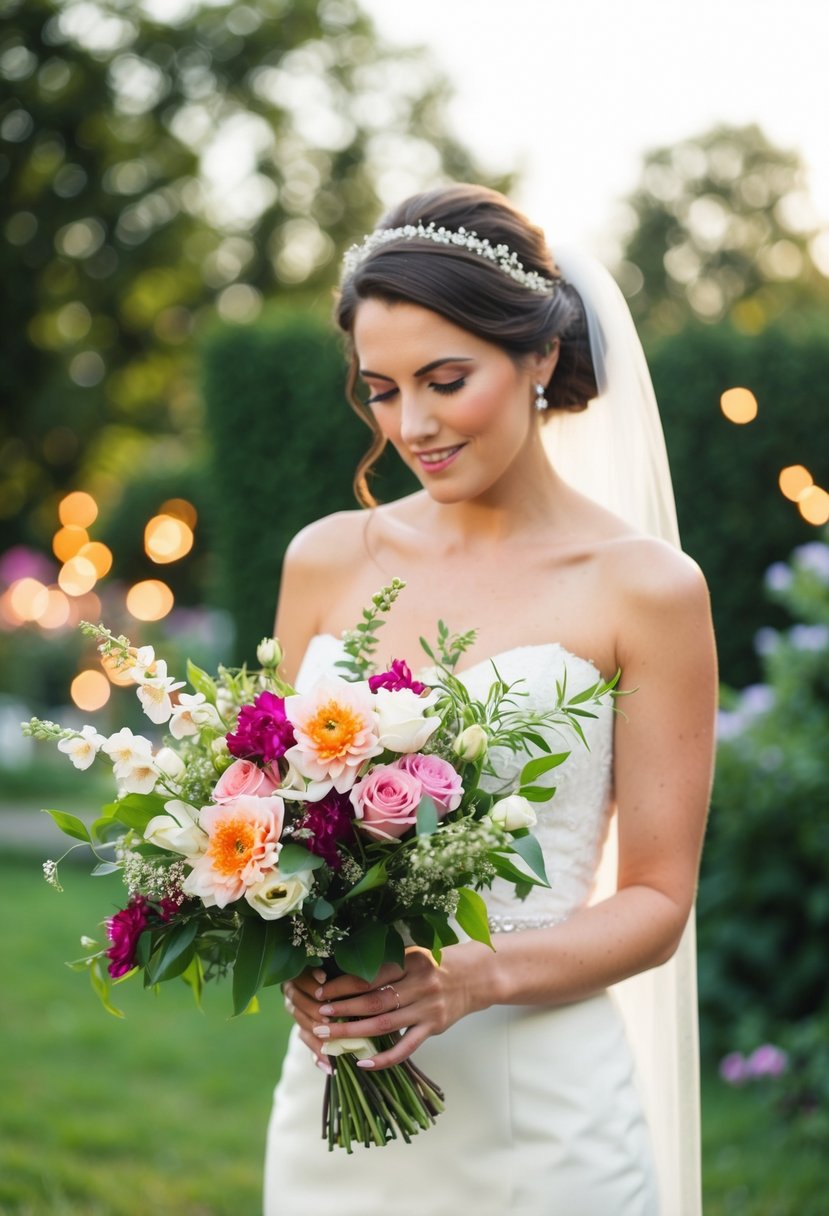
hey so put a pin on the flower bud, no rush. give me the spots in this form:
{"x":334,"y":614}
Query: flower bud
{"x":169,"y":763}
{"x":222,"y":758}
{"x":513,"y":813}
{"x":269,"y":652}
{"x":471,"y":744}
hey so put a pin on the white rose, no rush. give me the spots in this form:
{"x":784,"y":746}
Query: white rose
{"x":401,"y":718}
{"x":513,"y":813}
{"x":170,"y":763}
{"x":177,"y":830}
{"x":276,"y":896}
{"x":471,"y":743}
{"x":361,"y":1048}
{"x":269,"y":652}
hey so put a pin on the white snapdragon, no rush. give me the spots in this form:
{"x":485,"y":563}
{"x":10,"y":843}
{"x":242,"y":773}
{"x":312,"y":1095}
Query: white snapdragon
{"x":83,"y":748}
{"x":154,"y":692}
{"x":513,"y":813}
{"x":192,"y":712}
{"x":401,"y":717}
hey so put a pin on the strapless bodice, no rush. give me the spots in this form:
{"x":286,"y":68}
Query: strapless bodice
{"x":572,"y":825}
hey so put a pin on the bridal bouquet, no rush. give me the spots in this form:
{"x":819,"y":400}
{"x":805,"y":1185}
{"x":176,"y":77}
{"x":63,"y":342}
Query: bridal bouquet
{"x":275,"y":830}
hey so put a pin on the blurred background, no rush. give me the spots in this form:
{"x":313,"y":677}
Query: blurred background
{"x":178,"y":180}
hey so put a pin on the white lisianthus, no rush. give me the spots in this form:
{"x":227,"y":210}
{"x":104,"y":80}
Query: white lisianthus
{"x":177,"y":830}
{"x":154,"y":693}
{"x":471,"y":743}
{"x":401,"y":717}
{"x":83,"y":748}
{"x":275,"y":896}
{"x":513,"y":813}
{"x":170,"y":764}
{"x":269,"y":652}
{"x":363,"y":1049}
{"x":192,"y":712}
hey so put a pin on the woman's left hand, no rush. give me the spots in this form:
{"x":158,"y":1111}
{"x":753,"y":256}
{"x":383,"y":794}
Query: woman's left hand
{"x":421,"y":1000}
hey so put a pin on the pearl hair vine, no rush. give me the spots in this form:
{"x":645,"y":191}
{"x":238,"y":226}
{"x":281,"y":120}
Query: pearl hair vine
{"x":502,"y":256}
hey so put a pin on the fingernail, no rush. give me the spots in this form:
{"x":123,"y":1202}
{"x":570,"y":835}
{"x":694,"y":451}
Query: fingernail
{"x":326,"y":1010}
{"x":365,"y":1063}
{"x":322,"y":1032}
{"x":289,"y":1005}
{"x":318,"y":993}
{"x":324,"y":1066}
{"x":319,"y":975}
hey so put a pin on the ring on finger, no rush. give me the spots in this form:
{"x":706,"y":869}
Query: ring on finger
{"x":391,"y":988}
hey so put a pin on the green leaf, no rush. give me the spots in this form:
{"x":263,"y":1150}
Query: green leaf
{"x":540,"y":765}
{"x":202,"y":682}
{"x":193,"y":976}
{"x":100,"y":985}
{"x":363,"y":951}
{"x":376,"y":876}
{"x":174,"y":954}
{"x":528,"y":848}
{"x":539,"y":740}
{"x":293,"y":859}
{"x":395,"y":948}
{"x":444,"y":934}
{"x":284,"y":959}
{"x":251,"y":961}
{"x":537,"y":793}
{"x":587,"y":694}
{"x":427,"y":817}
{"x":322,"y":909}
{"x":472,"y":916}
{"x":105,"y":867}
{"x":106,"y":828}
{"x":136,"y":810}
{"x":70,"y":825}
{"x":504,"y":868}
{"x":425,"y":645}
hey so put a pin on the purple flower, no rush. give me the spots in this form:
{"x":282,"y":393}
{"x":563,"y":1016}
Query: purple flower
{"x":329,"y":821}
{"x":767,"y":1061}
{"x":124,"y":930}
{"x":399,"y":676}
{"x":263,"y":732}
{"x":734,"y":1068}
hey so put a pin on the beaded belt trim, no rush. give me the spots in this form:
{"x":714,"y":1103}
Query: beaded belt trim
{"x":512,"y":924}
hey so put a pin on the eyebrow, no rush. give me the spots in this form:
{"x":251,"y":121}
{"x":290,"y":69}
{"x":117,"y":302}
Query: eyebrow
{"x":421,"y":371}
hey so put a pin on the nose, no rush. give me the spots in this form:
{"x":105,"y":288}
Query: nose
{"x":418,"y":421}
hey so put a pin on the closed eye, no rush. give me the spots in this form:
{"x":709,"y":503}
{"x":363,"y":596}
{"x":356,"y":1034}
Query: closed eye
{"x":386,"y":396}
{"x":452,"y":387}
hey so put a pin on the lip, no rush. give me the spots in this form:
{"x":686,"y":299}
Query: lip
{"x":430,"y":465}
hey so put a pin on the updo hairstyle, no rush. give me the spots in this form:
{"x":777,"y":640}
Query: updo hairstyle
{"x":471,"y":292}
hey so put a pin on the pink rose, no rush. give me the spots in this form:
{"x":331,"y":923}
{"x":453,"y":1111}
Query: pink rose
{"x":438,"y":778}
{"x":386,"y":801}
{"x":243,"y":777}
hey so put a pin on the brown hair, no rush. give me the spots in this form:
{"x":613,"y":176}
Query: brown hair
{"x":472,"y":293}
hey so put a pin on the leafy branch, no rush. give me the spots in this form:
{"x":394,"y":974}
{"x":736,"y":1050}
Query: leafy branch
{"x":361,"y":642}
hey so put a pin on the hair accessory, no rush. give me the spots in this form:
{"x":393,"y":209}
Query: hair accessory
{"x":500,"y":255}
{"x":540,"y":402}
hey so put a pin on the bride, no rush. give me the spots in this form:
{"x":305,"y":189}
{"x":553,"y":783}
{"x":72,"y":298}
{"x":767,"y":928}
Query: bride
{"x":548,"y":530}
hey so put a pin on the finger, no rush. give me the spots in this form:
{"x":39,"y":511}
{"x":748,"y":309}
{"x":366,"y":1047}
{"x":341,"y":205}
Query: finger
{"x":352,"y":985}
{"x":384,"y":1023}
{"x":321,"y":1061}
{"x":408,"y":1043}
{"x":299,"y":1005}
{"x":386,"y":999}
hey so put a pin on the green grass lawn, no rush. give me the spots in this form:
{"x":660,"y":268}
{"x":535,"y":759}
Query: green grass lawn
{"x":164,"y":1112}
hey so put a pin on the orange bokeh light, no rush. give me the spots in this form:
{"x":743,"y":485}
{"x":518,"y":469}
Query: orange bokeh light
{"x":68,"y":542}
{"x":150,"y":600}
{"x":117,"y":675}
{"x":813,"y":505}
{"x":739,"y":405}
{"x":78,"y":509}
{"x":28,"y":599}
{"x":181,"y":509}
{"x":90,"y":690}
{"x":57,"y":612}
{"x":793,"y":480}
{"x":167,"y":539}
{"x":99,"y":554}
{"x":77,"y":576}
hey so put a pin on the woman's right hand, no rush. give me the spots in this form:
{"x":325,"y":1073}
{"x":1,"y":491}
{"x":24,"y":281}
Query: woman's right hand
{"x":300,"y":1004}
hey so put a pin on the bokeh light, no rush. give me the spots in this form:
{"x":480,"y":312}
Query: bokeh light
{"x":167,"y":539}
{"x":739,"y":405}
{"x":28,"y":599}
{"x":793,"y":480}
{"x":150,"y":600}
{"x":90,"y":690}
{"x":119,"y":675}
{"x":68,"y":541}
{"x":99,"y":554}
{"x":57,"y":612}
{"x":813,"y":505}
{"x":77,"y":576}
{"x":78,"y":508}
{"x":181,"y":509}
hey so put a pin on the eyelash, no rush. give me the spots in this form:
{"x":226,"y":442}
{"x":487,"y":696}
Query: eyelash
{"x":453,"y":387}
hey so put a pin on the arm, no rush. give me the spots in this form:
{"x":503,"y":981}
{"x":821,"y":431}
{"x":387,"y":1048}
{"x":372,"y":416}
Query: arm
{"x":662,"y":774}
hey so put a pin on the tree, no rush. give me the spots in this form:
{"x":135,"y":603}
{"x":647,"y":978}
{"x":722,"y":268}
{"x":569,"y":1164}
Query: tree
{"x":721,"y":225}
{"x":129,"y":221}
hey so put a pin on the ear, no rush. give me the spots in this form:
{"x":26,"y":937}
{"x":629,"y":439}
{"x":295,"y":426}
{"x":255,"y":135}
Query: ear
{"x":542,"y":364}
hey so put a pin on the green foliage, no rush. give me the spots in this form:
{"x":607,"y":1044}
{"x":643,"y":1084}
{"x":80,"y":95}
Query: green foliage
{"x":732,"y":517}
{"x":285,"y":446}
{"x":764,"y":892}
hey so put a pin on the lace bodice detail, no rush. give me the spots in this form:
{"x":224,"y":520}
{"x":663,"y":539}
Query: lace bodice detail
{"x":572,"y":826}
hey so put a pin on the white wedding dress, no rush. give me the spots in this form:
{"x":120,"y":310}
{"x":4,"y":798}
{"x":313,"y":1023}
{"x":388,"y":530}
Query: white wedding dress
{"x":543,"y":1112}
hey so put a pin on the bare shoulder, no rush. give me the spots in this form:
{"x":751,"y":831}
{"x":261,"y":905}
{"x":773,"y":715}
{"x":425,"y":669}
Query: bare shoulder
{"x":334,"y":541}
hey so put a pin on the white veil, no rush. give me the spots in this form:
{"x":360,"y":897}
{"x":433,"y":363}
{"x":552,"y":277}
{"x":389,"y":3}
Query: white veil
{"x":615,"y":453}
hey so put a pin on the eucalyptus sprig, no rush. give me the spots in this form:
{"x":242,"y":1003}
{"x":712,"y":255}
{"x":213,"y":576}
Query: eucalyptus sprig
{"x":361,"y":642}
{"x":450,"y":646}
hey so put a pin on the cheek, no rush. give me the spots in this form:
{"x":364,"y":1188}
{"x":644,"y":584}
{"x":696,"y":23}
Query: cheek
{"x":485,"y":408}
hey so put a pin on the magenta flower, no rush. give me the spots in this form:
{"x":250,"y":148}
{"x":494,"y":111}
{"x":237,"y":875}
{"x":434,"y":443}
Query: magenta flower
{"x":329,"y":821}
{"x":399,"y":676}
{"x":124,"y":930}
{"x":734,"y":1068}
{"x":262,"y":732}
{"x":767,"y":1061}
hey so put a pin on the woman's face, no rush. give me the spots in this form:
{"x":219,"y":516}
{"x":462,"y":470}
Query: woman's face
{"x":457,"y":409}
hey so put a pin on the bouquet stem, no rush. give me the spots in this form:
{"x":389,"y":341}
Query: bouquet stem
{"x":373,"y":1108}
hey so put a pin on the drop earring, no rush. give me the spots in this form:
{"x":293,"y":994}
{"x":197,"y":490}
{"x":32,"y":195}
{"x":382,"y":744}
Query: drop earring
{"x":540,"y":400}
